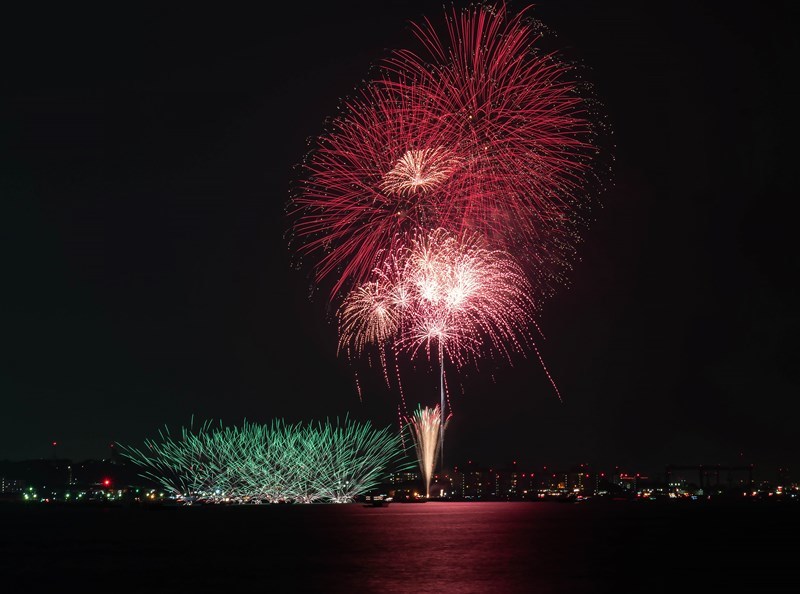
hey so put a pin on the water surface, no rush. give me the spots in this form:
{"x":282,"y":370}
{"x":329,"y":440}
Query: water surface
{"x":469,"y":547}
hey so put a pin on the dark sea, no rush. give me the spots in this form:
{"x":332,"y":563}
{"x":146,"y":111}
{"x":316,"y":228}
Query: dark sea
{"x":536,"y":547}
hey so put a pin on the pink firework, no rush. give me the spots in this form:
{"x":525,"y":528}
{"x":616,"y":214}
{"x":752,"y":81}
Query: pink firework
{"x":481,"y":133}
{"x":449,"y":297}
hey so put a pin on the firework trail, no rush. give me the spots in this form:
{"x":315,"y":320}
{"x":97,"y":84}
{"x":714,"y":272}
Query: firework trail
{"x":479,"y":132}
{"x":427,"y":429}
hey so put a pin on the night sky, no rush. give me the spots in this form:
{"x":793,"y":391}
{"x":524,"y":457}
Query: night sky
{"x":146,"y":165}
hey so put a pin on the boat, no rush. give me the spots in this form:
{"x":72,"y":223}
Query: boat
{"x":381,"y":500}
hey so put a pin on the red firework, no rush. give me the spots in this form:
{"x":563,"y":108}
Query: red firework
{"x":482,"y":134}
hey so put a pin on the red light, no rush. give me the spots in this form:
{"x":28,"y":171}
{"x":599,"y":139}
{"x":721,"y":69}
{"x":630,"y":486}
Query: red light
{"x":55,"y":443}
{"x":106,"y":482}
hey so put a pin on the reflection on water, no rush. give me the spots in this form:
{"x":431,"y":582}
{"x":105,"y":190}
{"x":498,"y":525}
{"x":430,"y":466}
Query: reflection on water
{"x":431,"y":547}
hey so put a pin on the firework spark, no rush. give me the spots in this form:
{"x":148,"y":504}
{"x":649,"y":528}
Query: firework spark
{"x":427,"y":429}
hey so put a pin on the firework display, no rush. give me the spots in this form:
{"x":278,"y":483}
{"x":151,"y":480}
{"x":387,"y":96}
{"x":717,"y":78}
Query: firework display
{"x":481,"y":131}
{"x":280,"y":462}
{"x":427,"y":428}
{"x":443,"y":203}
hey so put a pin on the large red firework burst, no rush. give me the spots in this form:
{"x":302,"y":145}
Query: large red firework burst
{"x":478,"y":132}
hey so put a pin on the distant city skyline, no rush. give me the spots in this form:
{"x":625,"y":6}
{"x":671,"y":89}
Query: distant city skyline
{"x":648,"y":470}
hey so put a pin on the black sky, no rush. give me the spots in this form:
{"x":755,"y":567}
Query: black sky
{"x":146,"y":161}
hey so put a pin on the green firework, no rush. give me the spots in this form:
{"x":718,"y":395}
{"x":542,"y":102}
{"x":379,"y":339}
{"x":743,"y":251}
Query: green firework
{"x":331,"y":462}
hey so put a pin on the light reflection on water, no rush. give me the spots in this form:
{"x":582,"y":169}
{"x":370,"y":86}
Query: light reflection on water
{"x":431,"y":547}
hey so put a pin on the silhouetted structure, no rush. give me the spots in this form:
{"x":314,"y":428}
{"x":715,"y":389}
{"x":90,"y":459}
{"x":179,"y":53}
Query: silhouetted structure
{"x":705,"y":473}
